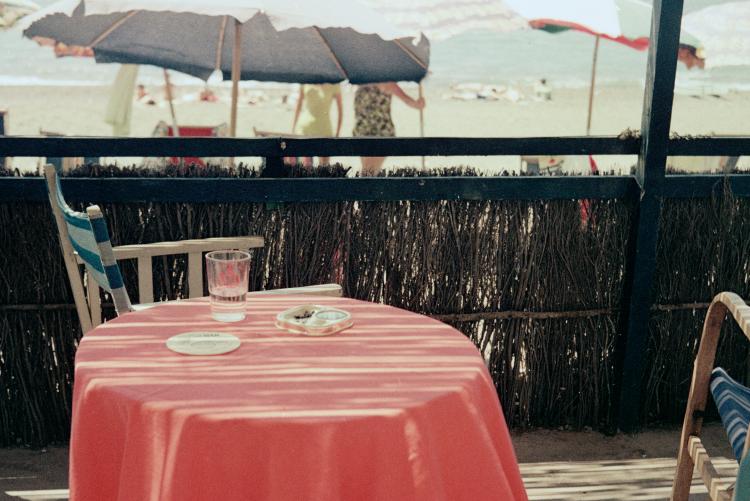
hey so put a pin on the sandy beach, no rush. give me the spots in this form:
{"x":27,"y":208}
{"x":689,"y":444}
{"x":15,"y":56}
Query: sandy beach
{"x":79,"y":110}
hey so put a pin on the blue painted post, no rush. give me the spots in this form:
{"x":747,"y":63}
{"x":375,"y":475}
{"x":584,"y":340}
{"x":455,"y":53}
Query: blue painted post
{"x":650,"y":174}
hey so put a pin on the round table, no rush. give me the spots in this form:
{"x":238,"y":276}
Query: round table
{"x":400,"y":406}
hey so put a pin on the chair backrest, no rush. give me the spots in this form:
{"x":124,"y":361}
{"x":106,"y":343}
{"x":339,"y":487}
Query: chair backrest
{"x":86,"y":236}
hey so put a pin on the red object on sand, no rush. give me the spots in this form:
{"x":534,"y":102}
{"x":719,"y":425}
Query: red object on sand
{"x":398,"y":407}
{"x":586,"y":204}
{"x":190,"y":131}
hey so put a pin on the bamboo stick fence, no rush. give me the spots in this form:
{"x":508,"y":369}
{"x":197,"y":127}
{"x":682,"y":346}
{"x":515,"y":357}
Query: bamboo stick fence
{"x":536,"y":289}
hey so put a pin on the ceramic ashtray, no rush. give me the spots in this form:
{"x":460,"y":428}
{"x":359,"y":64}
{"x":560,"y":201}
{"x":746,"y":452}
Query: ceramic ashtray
{"x":314,"y":320}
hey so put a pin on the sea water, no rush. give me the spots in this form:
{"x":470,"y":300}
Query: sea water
{"x":517,"y":58}
{"x":228,"y":304}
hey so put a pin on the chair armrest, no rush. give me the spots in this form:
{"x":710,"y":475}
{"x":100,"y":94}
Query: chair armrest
{"x":333,"y":290}
{"x":186,"y":247}
{"x":737,"y":307}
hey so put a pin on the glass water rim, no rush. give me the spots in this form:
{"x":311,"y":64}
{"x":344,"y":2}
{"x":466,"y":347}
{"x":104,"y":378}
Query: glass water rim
{"x":238,"y":255}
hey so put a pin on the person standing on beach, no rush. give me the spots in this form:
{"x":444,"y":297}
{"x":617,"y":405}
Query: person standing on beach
{"x":313,"y":114}
{"x":372,"y":111}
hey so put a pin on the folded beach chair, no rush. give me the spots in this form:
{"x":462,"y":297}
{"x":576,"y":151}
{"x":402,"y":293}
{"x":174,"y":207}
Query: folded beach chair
{"x":733,"y":401}
{"x":539,"y":164}
{"x":84,"y":240}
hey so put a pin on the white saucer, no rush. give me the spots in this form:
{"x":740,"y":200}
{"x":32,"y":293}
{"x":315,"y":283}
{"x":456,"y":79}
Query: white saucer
{"x":203,"y":343}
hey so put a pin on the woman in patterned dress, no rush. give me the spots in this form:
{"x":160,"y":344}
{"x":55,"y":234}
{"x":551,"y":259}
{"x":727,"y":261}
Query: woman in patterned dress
{"x":372,"y":110}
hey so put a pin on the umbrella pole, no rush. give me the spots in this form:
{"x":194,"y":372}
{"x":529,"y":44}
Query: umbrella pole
{"x":236,"y":66}
{"x":421,"y":120}
{"x":170,"y":98}
{"x":591,"y":87}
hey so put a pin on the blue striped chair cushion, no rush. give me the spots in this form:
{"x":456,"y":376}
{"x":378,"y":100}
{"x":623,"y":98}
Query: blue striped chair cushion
{"x":85,"y":236}
{"x":733,"y":402}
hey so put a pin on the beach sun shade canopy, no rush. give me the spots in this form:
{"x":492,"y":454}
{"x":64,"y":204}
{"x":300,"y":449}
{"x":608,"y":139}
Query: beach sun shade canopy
{"x":442,"y":19}
{"x":627,"y":22}
{"x":724,"y":31}
{"x":345,"y":41}
{"x":13,"y":10}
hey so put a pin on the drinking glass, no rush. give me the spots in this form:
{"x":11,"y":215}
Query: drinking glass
{"x":228,"y":272}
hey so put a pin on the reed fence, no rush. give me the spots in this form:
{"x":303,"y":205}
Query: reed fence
{"x":535,"y":284}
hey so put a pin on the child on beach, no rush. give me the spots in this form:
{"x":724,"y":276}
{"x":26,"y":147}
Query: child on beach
{"x":372,"y":110}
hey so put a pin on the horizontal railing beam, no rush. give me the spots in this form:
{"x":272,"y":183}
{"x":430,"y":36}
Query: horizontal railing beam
{"x":135,"y":189}
{"x":20,"y":146}
{"x":16,"y":146}
{"x":701,"y":186}
{"x":215,"y":190}
{"x":730,"y":146}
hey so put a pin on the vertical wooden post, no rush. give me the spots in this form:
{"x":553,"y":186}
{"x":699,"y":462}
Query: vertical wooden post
{"x":145,"y":280}
{"x":170,"y":98}
{"x":650,"y":173}
{"x":421,"y":119}
{"x":4,"y":161}
{"x":592,"y":85}
{"x":236,"y":69}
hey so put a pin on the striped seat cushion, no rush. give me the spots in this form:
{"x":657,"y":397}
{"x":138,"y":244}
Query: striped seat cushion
{"x":90,"y":239}
{"x":733,"y":402}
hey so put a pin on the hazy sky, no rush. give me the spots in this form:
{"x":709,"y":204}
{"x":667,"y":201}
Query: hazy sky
{"x":689,"y":4}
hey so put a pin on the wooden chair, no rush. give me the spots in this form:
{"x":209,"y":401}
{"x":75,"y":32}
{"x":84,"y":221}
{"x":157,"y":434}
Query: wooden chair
{"x":84,"y":240}
{"x":733,"y":402}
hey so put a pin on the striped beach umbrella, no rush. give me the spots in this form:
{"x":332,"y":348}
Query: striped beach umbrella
{"x":627,"y":22}
{"x":13,"y":10}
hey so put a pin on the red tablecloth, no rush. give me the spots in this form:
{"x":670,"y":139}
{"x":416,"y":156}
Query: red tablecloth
{"x":400,"y":406}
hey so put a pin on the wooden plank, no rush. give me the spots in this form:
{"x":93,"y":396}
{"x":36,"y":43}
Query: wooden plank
{"x":145,"y":280}
{"x":49,"y":182}
{"x":650,"y":173}
{"x":331,"y":290}
{"x":126,"y":190}
{"x":730,"y":146}
{"x":715,"y":483}
{"x":93,"y":298}
{"x":195,"y":274}
{"x":701,"y":186}
{"x":289,"y":146}
{"x":186,"y":247}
